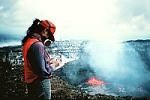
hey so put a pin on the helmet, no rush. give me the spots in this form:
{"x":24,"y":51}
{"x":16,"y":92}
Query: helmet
{"x":50,"y":26}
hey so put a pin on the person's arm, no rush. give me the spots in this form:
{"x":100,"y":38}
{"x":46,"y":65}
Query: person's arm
{"x":37,"y":60}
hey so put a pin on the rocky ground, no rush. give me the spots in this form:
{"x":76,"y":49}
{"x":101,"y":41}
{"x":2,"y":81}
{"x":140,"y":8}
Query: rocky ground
{"x":12,"y":87}
{"x":61,"y":90}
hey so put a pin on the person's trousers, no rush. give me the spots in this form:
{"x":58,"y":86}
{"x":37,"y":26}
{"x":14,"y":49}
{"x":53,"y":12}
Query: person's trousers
{"x":39,"y":90}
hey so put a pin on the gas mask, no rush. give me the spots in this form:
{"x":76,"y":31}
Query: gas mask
{"x":47,"y":42}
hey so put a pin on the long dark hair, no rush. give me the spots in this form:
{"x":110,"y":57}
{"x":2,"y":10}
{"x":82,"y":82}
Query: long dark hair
{"x":34,"y":28}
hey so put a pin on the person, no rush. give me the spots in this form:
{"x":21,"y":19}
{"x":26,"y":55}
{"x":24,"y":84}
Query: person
{"x":37,"y":64}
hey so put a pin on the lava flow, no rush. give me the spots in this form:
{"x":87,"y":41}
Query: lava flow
{"x":95,"y":81}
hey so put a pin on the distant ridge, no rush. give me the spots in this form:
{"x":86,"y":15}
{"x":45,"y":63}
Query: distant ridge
{"x":139,"y":40}
{"x":19,"y":39}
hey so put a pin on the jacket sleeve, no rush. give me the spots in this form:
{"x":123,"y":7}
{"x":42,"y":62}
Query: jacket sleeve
{"x":38,"y":60}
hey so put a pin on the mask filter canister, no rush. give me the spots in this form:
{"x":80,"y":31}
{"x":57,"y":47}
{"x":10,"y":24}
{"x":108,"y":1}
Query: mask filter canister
{"x":47,"y":42}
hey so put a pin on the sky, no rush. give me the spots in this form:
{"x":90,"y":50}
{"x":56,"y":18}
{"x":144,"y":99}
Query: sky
{"x":104,"y":20}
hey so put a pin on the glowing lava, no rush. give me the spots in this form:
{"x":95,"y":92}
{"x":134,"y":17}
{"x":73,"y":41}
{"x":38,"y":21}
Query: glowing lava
{"x":95,"y":81}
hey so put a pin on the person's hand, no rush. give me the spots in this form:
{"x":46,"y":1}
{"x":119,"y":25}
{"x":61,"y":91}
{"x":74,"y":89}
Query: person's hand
{"x":56,"y":63}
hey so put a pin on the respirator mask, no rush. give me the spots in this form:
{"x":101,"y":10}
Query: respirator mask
{"x":47,"y":42}
{"x":48,"y":25}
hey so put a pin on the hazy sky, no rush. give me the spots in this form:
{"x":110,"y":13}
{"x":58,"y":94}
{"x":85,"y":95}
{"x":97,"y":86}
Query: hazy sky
{"x":80,"y":19}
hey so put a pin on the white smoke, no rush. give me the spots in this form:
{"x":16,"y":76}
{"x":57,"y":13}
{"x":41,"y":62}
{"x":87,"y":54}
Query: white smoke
{"x":118,"y":63}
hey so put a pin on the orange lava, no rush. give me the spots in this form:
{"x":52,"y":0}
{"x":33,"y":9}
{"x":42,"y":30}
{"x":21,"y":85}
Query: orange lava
{"x":95,"y":81}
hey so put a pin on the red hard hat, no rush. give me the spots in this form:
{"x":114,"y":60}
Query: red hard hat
{"x":50,"y":26}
